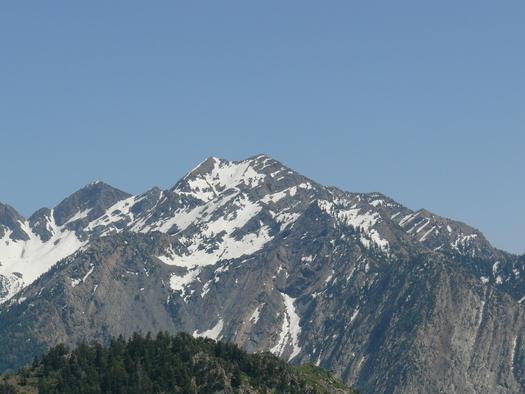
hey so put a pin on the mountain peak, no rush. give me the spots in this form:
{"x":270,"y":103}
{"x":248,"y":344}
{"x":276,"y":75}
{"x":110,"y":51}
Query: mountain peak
{"x":260,"y":156}
{"x":96,"y":197}
{"x":204,"y":166}
{"x":253,"y":252}
{"x":213,"y":161}
{"x":97,"y":185}
{"x":11,"y":219}
{"x":214,"y":176}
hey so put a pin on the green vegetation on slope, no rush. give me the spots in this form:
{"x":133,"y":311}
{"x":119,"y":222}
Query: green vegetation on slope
{"x":166,"y":364}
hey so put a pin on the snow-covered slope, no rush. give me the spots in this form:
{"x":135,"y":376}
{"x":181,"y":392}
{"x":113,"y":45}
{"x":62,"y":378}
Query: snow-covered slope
{"x":254,"y":253}
{"x":24,"y":260}
{"x":30,"y":247}
{"x":220,"y":210}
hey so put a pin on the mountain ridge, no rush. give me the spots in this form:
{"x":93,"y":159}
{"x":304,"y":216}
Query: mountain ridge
{"x":210,"y":159}
{"x":254,"y":253}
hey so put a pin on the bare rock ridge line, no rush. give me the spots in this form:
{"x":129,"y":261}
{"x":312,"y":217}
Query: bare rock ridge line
{"x":391,"y":299}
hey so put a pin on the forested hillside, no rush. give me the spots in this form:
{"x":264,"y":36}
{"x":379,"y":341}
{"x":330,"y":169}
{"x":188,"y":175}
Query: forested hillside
{"x":166,"y":364}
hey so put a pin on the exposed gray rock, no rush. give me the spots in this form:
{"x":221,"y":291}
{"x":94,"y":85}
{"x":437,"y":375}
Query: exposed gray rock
{"x":11,"y":221}
{"x":392,"y":300}
{"x":93,"y":199}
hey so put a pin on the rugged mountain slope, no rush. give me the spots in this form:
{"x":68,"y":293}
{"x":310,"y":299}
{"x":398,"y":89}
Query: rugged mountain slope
{"x":28,"y":248}
{"x":393,"y":300}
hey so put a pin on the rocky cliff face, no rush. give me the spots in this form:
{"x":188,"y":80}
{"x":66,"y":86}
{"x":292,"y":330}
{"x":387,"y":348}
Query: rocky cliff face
{"x":392,"y":300}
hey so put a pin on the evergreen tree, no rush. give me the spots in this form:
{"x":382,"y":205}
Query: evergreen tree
{"x":164,"y":364}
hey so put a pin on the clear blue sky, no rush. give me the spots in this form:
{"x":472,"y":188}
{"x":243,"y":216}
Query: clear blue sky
{"x":421,"y":100}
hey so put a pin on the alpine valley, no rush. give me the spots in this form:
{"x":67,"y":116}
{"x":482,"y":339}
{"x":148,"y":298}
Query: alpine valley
{"x":251,"y":252}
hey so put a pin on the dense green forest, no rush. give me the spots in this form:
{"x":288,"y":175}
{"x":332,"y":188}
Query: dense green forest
{"x":166,"y":364}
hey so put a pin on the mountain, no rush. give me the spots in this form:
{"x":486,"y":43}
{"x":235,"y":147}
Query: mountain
{"x":179,"y":364}
{"x":253,"y":253}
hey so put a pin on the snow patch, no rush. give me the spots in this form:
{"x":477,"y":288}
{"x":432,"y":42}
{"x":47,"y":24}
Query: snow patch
{"x":329,"y":277}
{"x":463,"y":241}
{"x":213,"y":333}
{"x":290,"y":330}
{"x":218,"y":235}
{"x":289,"y":192}
{"x":76,"y":282}
{"x":254,"y":318}
{"x":223,"y":176}
{"x":422,"y":239}
{"x":116,"y":213}
{"x":481,"y":311}
{"x":354,"y":315}
{"x":408,"y":218}
{"x":377,"y":203}
{"x":24,"y":261}
{"x":395,"y":215}
{"x":354,"y":217}
{"x":513,"y":353}
{"x":78,"y":216}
